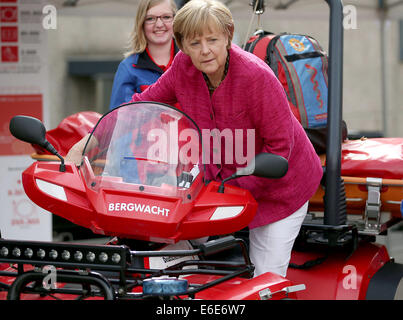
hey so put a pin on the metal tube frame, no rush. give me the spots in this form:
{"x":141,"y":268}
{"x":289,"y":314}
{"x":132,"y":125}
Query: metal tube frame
{"x":120,"y":280}
{"x":335,"y":101}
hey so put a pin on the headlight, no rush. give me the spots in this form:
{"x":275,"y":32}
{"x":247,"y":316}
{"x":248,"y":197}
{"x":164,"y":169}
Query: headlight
{"x":41,"y":253}
{"x":53,"y":254}
{"x":65,"y":255}
{"x":91,"y":256}
{"x":78,"y":255}
{"x":103,"y":257}
{"x":28,"y":252}
{"x":16,"y":252}
{"x":116,"y":258}
{"x":4,"y":251}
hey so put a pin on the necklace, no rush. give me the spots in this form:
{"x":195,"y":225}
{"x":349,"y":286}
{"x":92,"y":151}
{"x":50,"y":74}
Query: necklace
{"x":210,"y":87}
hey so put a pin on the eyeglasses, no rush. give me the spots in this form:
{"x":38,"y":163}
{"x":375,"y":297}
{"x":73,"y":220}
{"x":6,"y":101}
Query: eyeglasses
{"x":166,"y":18}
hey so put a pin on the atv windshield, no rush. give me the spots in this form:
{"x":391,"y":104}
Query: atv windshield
{"x":145,"y":146}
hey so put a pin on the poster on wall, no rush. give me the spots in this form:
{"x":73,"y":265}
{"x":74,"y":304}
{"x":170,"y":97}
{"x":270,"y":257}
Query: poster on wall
{"x":23,"y":91}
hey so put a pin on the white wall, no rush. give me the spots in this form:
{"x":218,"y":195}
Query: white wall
{"x":78,"y":36}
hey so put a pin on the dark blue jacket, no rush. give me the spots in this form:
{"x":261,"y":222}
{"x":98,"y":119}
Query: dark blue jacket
{"x":134,"y":74}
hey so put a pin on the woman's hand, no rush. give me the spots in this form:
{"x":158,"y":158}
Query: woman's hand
{"x":75,"y":154}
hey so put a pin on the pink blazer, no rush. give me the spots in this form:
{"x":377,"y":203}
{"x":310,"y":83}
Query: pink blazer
{"x":250,"y":97}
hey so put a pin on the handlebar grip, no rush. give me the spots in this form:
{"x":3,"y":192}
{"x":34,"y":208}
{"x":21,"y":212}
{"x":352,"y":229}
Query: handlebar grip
{"x":217,"y":245}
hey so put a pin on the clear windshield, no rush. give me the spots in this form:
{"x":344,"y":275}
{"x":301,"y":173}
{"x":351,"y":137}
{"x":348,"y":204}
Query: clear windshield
{"x":144,"y":146}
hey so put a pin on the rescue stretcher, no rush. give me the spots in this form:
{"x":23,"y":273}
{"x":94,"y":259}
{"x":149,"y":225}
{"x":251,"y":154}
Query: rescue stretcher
{"x":372,"y":171}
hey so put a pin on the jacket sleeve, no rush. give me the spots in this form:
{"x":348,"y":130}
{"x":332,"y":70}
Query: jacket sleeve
{"x":123,"y":87}
{"x":274,"y":125}
{"x":161,"y":91}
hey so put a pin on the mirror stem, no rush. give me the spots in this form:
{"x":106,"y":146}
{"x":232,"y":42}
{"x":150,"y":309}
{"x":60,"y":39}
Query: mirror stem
{"x":62,"y":167}
{"x":52,"y":150}
{"x":221,"y":187}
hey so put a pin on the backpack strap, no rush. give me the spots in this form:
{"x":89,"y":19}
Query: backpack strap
{"x":307,"y":55}
{"x":270,"y":49}
{"x":258,"y":35}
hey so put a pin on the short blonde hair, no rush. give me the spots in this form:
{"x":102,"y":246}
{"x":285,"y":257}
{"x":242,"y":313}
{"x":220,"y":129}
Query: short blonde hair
{"x":197,"y":15}
{"x":137,"y":40}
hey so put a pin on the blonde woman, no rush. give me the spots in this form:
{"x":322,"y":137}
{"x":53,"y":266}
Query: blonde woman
{"x":151,"y":52}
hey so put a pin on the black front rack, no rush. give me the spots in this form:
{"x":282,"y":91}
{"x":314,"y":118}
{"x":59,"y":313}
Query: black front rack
{"x":110,"y":271}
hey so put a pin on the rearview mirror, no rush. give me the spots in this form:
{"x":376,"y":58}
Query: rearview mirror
{"x":32,"y":130}
{"x":265,"y":165}
{"x":28,"y":129}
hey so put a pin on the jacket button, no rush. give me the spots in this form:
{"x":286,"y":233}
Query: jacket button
{"x":211,"y":116}
{"x":219,"y":166}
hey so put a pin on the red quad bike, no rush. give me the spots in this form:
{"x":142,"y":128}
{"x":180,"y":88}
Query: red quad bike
{"x":152,"y":204}
{"x":141,"y":181}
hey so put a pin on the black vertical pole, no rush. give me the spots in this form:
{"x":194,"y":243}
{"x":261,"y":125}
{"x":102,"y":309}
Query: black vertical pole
{"x":335,"y":102}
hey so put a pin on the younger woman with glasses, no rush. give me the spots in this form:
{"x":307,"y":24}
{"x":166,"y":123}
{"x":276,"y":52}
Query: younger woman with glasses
{"x":152,"y":49}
